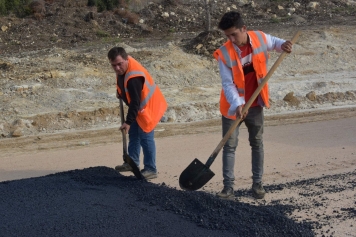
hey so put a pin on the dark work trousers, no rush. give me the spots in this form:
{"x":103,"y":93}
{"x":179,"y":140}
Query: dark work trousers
{"x":254,"y":123}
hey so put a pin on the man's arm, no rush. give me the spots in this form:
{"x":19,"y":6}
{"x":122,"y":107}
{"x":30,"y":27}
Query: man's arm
{"x":230,"y":89}
{"x":134,"y":87}
{"x":277,"y":44}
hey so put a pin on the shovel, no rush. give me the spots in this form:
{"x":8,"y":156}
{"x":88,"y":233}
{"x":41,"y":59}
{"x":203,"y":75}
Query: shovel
{"x":126,"y":157}
{"x":197,"y":174}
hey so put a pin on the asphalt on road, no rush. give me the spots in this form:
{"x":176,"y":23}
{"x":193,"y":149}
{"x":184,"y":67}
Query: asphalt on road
{"x":98,"y":201}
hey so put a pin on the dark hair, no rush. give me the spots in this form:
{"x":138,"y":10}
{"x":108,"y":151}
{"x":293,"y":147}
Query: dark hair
{"x":231,"y":19}
{"x":117,"y":51}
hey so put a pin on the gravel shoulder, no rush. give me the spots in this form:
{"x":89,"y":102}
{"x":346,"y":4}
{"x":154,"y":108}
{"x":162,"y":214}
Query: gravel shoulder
{"x":110,"y":135}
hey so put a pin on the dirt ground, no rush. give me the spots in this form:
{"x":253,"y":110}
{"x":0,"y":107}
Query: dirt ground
{"x":59,"y":110}
{"x":309,"y":166}
{"x":55,"y":76}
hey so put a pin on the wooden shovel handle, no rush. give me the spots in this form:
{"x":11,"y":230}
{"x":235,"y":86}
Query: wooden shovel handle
{"x":248,"y":104}
{"x":124,"y":143}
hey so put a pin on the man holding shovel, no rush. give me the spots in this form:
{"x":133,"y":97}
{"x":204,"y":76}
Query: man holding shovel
{"x":147,"y":105}
{"x":243,"y":65}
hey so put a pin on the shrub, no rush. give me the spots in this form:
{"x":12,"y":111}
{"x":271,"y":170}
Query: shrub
{"x":18,"y":7}
{"x":129,"y":16}
{"x":37,"y":7}
{"x":102,"y":34}
{"x":3,"y":10}
{"x":103,"y":5}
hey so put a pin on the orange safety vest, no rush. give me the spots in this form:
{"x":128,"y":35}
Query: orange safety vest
{"x":153,"y":104}
{"x":229,"y":56}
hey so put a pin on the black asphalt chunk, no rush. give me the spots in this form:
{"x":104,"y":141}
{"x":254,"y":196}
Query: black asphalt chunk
{"x":315,"y":192}
{"x":315,"y":186}
{"x":100,"y":202}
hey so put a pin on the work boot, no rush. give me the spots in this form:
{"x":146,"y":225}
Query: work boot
{"x":227,"y":192}
{"x":148,"y":174}
{"x":123,"y":168}
{"x":258,"y":191}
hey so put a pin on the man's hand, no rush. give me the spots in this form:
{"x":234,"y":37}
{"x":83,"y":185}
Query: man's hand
{"x":287,"y":46}
{"x":239,"y":114}
{"x":125,"y":127}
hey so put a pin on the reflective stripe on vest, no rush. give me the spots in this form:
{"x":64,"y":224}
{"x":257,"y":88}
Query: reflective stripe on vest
{"x":227,"y":53}
{"x":263,"y":47}
{"x":230,"y":63}
{"x":151,"y":88}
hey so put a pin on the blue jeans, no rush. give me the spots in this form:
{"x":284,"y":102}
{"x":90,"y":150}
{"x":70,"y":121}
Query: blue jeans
{"x":254,"y":124}
{"x":137,"y":139}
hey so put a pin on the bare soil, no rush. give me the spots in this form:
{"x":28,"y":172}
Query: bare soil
{"x":55,"y":76}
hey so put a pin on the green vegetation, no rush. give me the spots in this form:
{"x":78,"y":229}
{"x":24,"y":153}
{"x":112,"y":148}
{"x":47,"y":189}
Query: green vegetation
{"x":53,"y":39}
{"x":2,"y":7}
{"x":19,"y":7}
{"x":102,"y":34}
{"x":108,"y":40}
{"x":348,"y":9}
{"x":103,"y":5}
{"x":280,"y":19}
{"x":111,"y":40}
{"x":275,"y":20}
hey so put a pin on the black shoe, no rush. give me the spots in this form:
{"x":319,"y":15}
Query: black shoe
{"x":149,"y":174}
{"x":227,"y":192}
{"x":258,"y":191}
{"x":125,"y":167}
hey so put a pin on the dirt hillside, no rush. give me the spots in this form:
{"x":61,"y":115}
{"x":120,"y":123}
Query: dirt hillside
{"x":55,"y":76}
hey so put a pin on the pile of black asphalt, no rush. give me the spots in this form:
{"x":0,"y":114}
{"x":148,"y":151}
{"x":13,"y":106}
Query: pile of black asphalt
{"x":98,"y":201}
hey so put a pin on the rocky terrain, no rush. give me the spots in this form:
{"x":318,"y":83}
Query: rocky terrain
{"x":55,"y":76}
{"x":59,"y":112}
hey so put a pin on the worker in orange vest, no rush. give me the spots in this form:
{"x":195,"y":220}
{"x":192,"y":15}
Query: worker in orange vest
{"x":147,"y":105}
{"x":243,"y":65}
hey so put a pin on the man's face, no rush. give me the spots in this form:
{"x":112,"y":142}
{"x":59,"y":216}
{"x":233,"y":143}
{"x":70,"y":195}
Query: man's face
{"x":119,"y":65}
{"x":237,"y":36}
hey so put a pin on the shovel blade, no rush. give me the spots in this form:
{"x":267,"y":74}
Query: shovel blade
{"x":195,"y":176}
{"x":134,"y":167}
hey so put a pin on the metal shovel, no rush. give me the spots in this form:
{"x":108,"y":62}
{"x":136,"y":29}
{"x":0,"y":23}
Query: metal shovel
{"x":197,"y":174}
{"x":126,"y":157}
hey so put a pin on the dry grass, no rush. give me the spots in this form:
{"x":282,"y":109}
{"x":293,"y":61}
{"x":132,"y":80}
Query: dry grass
{"x":38,"y":7}
{"x":127,"y":15}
